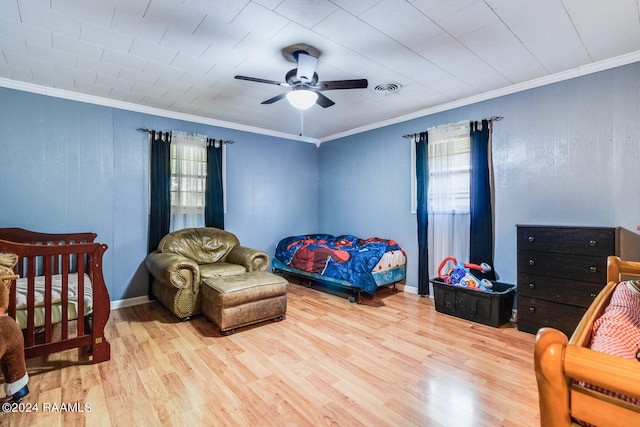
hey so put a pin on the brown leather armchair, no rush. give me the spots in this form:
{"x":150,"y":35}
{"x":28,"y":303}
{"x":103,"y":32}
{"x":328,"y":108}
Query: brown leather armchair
{"x":186,"y":257}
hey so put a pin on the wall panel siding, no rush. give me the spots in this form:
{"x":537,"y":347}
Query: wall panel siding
{"x":69,"y":166}
{"x":279,"y":190}
{"x":8,"y":157}
{"x":566,"y":153}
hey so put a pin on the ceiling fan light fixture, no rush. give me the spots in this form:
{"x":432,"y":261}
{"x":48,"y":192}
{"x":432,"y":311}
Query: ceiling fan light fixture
{"x":302,"y":99}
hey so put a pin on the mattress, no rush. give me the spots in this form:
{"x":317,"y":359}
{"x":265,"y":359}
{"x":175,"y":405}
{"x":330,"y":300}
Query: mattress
{"x":56,"y":311}
{"x":390,"y":260}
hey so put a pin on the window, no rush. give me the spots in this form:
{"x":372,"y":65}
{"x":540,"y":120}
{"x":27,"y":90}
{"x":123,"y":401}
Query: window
{"x":452,"y":167}
{"x":449,"y":170}
{"x":449,"y":158}
{"x":188,"y":161}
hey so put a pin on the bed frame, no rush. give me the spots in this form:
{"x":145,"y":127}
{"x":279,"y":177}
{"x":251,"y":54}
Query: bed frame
{"x":382,"y":278}
{"x":561,"y":365}
{"x":45,"y":254}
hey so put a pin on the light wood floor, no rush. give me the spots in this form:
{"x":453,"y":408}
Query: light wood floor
{"x":390,"y":361}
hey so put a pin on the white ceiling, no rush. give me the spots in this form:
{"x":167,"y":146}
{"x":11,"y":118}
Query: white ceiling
{"x":182,"y":55}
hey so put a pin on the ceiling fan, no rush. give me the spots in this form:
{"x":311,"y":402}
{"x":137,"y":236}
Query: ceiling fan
{"x":303,"y":80}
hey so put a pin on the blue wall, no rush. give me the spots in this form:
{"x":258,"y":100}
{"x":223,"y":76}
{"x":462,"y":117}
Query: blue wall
{"x":70,"y":166}
{"x":566,"y":154}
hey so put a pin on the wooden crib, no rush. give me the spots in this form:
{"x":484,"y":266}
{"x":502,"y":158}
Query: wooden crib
{"x":581,"y":386}
{"x":56,"y":271}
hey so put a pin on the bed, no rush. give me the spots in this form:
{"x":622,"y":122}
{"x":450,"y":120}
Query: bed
{"x":578,"y":385}
{"x":346,"y":261}
{"x":56,"y":271}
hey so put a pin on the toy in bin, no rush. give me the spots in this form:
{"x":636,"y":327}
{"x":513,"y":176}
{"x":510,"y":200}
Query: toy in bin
{"x":460,"y":275}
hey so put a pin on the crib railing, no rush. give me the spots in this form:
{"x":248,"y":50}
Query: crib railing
{"x":45,"y":255}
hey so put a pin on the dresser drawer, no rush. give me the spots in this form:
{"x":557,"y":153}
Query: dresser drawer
{"x":581,"y":240}
{"x":567,"y":266}
{"x":554,"y":289}
{"x":534,"y":314}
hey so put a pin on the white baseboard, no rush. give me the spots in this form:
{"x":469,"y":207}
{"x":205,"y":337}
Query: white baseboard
{"x":410,"y":289}
{"x":414,"y":290}
{"x":129,"y":302}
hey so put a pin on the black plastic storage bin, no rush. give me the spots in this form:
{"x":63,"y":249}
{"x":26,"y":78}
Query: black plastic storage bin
{"x":489,"y":308}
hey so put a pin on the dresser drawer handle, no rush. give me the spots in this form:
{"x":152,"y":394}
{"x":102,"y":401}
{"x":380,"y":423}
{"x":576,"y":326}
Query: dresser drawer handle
{"x":532,"y":262}
{"x":531,"y":286}
{"x":531,"y":239}
{"x":532,"y":309}
{"x":593,"y":269}
{"x":593,"y":295}
{"x":593,"y":242}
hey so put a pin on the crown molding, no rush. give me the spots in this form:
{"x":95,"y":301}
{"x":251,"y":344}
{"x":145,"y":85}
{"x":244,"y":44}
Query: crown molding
{"x":128,"y":106}
{"x":583,"y":70}
{"x":519,"y":87}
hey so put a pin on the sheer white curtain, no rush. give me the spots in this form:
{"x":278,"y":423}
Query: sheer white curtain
{"x":448,"y":204}
{"x":188,"y":180}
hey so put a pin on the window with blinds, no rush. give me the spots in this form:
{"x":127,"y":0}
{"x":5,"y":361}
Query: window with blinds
{"x":188,"y":161}
{"x":449,"y":169}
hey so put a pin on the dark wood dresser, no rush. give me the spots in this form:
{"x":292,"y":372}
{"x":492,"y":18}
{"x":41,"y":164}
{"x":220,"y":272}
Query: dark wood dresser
{"x":560,"y":271}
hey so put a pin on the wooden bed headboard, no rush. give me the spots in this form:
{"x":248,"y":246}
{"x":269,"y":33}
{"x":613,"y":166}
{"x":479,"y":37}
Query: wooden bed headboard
{"x":564,"y":366}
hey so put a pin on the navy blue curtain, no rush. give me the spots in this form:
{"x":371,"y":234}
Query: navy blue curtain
{"x":214,"y":205}
{"x":422,"y":181}
{"x":481,"y":244}
{"x":160,"y":196}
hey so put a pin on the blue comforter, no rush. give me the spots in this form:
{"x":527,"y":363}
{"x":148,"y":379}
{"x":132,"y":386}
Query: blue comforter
{"x":343,"y":257}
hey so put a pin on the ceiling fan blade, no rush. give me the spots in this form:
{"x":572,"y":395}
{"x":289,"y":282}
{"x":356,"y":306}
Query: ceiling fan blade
{"x":257,"y":80}
{"x":342,"y":84}
{"x":306,"y":66}
{"x":274,"y":99}
{"x":323,"y":101}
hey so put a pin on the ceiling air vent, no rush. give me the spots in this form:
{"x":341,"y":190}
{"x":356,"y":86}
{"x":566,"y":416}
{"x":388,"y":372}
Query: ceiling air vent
{"x":387,"y":88}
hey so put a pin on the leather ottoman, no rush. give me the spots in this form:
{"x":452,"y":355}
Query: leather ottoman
{"x":244,"y":299}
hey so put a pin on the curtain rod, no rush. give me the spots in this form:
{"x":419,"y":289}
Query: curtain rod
{"x":229,"y":141}
{"x":491,"y":119}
